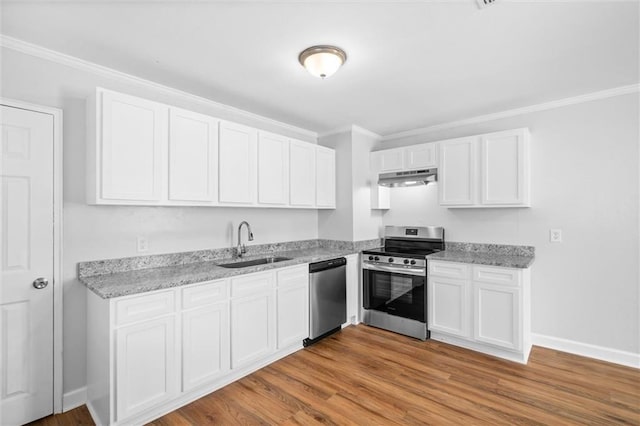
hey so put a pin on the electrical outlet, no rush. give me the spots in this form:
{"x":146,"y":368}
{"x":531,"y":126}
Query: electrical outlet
{"x":555,"y":235}
{"x":143,"y":244}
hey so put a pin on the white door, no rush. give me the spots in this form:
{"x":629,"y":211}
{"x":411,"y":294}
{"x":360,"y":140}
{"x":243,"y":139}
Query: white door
{"x":502,"y":168}
{"x":325,"y":177}
{"x":252,"y":328}
{"x":457,"y":173}
{"x":26,"y":253}
{"x":390,"y":160}
{"x":193,"y":156}
{"x":273,"y":169}
{"x":302,"y":178}
{"x":237,"y":163}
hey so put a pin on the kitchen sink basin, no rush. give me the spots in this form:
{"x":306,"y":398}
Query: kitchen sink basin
{"x":254,"y":262}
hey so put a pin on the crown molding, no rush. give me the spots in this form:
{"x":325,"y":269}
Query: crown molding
{"x":80,"y":64}
{"x":603,"y":94}
{"x":351,"y":128}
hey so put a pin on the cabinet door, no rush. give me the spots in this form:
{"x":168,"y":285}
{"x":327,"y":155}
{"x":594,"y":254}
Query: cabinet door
{"x":252,"y":328}
{"x":457,"y":172}
{"x":193,"y":156}
{"x":497,"y":315}
{"x":273,"y":169}
{"x":293,"y":306}
{"x":448,"y":306}
{"x":421,"y":156}
{"x":134,"y":136}
{"x":302,"y":178}
{"x":146,"y":366}
{"x":504,"y":168}
{"x":237,"y":164}
{"x":325,"y":177}
{"x":205,"y":344}
{"x":389,"y":160}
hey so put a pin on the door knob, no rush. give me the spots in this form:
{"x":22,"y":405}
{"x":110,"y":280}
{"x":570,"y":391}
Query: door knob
{"x":40,"y":283}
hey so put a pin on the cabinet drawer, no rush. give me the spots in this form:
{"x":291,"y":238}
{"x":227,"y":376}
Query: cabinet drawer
{"x":496,"y":275}
{"x":248,"y":285}
{"x":298,"y":275}
{"x":144,"y":307}
{"x":204,"y":294}
{"x":449,"y":269}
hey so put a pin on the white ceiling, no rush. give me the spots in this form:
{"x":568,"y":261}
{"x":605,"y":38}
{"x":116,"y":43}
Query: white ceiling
{"x":410,"y":64}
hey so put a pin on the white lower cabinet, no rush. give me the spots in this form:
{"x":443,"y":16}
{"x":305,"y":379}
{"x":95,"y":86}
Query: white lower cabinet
{"x":485,"y":308}
{"x":151,"y":353}
{"x":147,"y":368}
{"x":253,"y":318}
{"x":293,"y":305}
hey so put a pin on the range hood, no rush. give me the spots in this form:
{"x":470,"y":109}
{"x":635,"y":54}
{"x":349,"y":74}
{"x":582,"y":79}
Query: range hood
{"x":408,"y":178}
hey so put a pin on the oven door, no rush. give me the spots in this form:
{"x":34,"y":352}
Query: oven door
{"x":395,"y":290}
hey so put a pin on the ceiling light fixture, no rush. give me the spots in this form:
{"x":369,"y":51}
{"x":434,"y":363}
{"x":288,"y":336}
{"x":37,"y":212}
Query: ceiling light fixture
{"x":322,"y":61}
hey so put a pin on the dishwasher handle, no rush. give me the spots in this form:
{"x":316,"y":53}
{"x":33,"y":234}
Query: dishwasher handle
{"x":327,"y":264}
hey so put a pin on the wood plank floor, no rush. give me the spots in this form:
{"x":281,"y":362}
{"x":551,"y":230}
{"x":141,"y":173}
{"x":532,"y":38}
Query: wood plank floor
{"x":367,"y":376}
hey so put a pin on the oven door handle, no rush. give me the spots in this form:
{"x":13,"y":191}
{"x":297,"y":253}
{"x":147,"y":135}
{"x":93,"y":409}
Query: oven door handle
{"x":420,"y":272}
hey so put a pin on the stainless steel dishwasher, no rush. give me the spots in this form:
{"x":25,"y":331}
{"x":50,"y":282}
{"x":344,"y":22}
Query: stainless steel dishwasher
{"x":327,"y":298}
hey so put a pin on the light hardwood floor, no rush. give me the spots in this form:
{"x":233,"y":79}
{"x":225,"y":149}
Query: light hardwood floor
{"x":367,"y":376}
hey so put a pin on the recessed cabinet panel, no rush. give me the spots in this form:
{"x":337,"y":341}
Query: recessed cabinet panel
{"x":133,"y":137}
{"x":497,"y":315}
{"x":205,"y":344}
{"x":325,"y":177}
{"x":457,"y":172}
{"x":448,"y":306}
{"x":503,"y":165}
{"x":146,"y":371}
{"x":302,"y":179}
{"x":237,"y":163}
{"x":193,"y":156}
{"x":421,"y":156}
{"x":252,"y":328}
{"x":390,"y":160}
{"x":273,"y":169}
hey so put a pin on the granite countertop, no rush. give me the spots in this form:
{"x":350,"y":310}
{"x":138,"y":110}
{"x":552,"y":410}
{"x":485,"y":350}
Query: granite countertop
{"x":484,"y":258}
{"x":143,"y":280}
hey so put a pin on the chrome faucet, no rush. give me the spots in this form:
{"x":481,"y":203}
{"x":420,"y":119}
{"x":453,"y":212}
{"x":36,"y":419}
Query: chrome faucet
{"x":241,"y":249}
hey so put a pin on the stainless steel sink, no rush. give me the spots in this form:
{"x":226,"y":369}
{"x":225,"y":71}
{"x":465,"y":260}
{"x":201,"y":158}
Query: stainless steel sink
{"x":254,"y":262}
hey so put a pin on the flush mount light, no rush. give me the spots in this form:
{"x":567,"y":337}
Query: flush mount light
{"x":322,"y":61}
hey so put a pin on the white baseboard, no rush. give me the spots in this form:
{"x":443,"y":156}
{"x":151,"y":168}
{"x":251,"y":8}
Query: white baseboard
{"x":616,"y":356}
{"x":74,"y":399}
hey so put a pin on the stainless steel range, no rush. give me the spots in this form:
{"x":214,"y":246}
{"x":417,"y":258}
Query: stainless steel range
{"x":394,"y":279}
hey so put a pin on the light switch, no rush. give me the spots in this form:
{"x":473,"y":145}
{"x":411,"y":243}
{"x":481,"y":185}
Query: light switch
{"x":555,"y":235}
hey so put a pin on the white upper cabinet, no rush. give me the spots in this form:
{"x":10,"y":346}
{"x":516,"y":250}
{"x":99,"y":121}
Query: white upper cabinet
{"x":389,"y":160}
{"x":457,"y":172}
{"x":273,"y":169}
{"x":421,"y":156}
{"x":237,"y":163}
{"x":142,"y":152}
{"x":193,"y":156}
{"x":325,"y":177}
{"x":302,"y":177}
{"x":490,"y":170}
{"x":504,"y":163}
{"x":127,"y":161}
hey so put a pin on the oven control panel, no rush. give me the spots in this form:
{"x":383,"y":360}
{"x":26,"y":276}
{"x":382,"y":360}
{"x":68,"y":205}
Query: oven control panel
{"x":396,"y":261}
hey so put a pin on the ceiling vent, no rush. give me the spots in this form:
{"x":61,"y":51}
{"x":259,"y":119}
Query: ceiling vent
{"x":485,"y":3}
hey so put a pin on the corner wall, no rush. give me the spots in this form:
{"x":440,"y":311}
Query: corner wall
{"x":585,"y":181}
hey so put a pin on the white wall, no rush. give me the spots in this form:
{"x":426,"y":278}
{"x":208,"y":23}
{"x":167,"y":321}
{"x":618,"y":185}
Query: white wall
{"x":585,"y":179}
{"x":100,"y":232}
{"x":353,"y":219}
